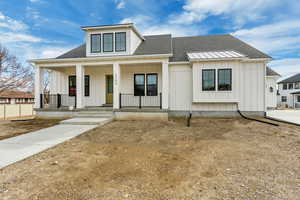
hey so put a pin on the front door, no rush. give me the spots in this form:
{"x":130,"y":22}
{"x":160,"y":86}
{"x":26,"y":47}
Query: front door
{"x":109,"y":89}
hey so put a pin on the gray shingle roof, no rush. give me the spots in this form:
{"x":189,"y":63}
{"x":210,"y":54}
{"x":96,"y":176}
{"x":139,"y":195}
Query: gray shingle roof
{"x":179,"y":46}
{"x":271,"y":72}
{"x":182,"y":45}
{"x":292,"y":79}
{"x":155,"y":44}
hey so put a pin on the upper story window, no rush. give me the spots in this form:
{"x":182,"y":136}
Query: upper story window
{"x":224,"y":79}
{"x":284,"y":86}
{"x":108,"y":42}
{"x":96,"y":43}
{"x":208,"y":80}
{"x":120,"y":39}
{"x":297,"y":85}
{"x":291,"y":86}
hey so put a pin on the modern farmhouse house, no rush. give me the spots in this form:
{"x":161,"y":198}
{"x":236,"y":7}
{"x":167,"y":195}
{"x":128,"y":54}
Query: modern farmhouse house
{"x":289,"y":92}
{"x":118,"y":67}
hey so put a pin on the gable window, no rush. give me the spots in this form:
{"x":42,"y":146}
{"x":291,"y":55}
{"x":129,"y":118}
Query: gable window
{"x":108,"y":42}
{"x":139,"y":85}
{"x":208,"y":79}
{"x":291,"y":86}
{"x":284,"y":86}
{"x":96,"y":43}
{"x":72,"y":85}
{"x":283,"y":99}
{"x":224,"y":79}
{"x":120,"y":40}
{"x":151,"y":84}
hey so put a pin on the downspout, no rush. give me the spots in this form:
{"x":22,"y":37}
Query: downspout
{"x":252,"y":119}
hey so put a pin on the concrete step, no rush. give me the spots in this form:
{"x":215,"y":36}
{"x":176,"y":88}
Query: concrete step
{"x":87,"y":121}
{"x":95,"y":114}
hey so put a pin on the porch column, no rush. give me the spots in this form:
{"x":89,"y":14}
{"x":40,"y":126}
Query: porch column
{"x":38,"y":85}
{"x":117,"y":80}
{"x":79,"y":86}
{"x":165,"y":85}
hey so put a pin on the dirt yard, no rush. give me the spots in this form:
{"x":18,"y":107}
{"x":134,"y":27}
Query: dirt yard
{"x":154,"y":160}
{"x":13,"y":128}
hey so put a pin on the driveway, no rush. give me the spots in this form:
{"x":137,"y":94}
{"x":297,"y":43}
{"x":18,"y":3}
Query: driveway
{"x":285,"y":115}
{"x":18,"y":148}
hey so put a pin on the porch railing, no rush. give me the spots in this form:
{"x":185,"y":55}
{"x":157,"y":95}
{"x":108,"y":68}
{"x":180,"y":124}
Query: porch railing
{"x":132,"y":101}
{"x":57,"y":100}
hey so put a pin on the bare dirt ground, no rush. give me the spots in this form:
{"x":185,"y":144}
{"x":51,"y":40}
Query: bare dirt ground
{"x":214,"y":159}
{"x":14,"y":128}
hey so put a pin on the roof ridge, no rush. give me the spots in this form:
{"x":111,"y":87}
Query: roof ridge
{"x":202,"y":36}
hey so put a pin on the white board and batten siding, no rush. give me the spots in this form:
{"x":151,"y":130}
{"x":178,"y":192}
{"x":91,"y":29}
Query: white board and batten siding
{"x":248,"y":79}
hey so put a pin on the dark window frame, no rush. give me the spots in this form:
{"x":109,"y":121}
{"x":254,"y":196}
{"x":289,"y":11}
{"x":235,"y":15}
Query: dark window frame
{"x":92,"y":43}
{"x":147,"y":91}
{"x":135,"y":84}
{"x":284,"y":86}
{"x":214,"y":89}
{"x":87,"y":86}
{"x":290,"y":84}
{"x":230,"y":79}
{"x":86,"y":92}
{"x":112,"y":43}
{"x":116,"y":33}
{"x":282,"y":98}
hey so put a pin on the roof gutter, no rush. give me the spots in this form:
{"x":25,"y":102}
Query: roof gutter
{"x":102,"y":58}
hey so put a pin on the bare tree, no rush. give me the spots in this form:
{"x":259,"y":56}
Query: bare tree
{"x":13,"y":74}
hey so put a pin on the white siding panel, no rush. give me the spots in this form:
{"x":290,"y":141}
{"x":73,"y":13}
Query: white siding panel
{"x":180,"y":87}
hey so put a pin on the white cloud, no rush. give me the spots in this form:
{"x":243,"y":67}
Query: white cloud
{"x":9,"y":37}
{"x":239,"y":10}
{"x":149,"y":26}
{"x":11,"y":24}
{"x":120,"y":4}
{"x":286,"y":67}
{"x":279,"y":37}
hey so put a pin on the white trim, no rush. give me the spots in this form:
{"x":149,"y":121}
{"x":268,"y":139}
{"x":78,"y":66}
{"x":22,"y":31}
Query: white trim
{"x":130,"y":25}
{"x":99,"y":58}
{"x":180,"y":63}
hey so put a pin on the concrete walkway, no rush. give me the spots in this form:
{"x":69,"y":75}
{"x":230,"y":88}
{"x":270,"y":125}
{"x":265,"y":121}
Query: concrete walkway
{"x":285,"y":115}
{"x":18,"y":148}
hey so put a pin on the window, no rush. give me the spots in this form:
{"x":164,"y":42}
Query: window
{"x":284,"y":86}
{"x":224,"y":79}
{"x":139,"y":85}
{"x":297,"y":85}
{"x":208,"y":79}
{"x":120,"y":40}
{"x":271,"y":90}
{"x":96,"y":43}
{"x":72,"y":85}
{"x":283,"y":99}
{"x":291,"y":86}
{"x":87,"y":85}
{"x":108,"y":42}
{"x":151,"y":84}
{"x":298,"y":99}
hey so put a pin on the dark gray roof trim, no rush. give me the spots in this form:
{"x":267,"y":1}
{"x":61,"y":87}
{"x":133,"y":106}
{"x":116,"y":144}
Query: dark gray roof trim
{"x":271,"y":72}
{"x":179,"y":46}
{"x":292,"y":79}
{"x":297,"y":92}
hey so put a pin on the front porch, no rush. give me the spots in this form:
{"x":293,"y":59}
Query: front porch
{"x":130,"y":85}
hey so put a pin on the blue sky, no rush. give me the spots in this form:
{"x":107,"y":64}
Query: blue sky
{"x":47,"y":28}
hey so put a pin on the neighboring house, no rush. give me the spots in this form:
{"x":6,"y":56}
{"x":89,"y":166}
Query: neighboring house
{"x":119,"y":67}
{"x":289,"y":92}
{"x":16,"y":97}
{"x":271,"y":89}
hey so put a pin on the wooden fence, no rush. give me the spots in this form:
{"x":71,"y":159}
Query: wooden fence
{"x":14,"y":111}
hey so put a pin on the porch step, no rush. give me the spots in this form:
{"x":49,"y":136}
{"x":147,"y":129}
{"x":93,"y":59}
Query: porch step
{"x":95,"y":114}
{"x":87,"y":121}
